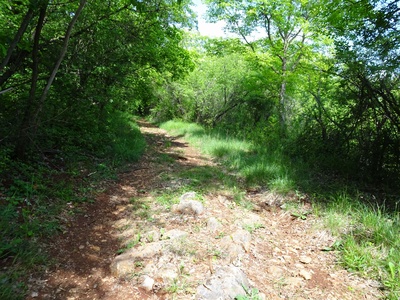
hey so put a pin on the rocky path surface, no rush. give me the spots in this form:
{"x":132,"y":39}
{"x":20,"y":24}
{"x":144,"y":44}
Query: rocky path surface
{"x":129,"y":244}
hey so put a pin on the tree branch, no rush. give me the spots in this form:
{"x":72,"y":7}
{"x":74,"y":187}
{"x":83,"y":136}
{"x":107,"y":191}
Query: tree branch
{"x":17,"y":38}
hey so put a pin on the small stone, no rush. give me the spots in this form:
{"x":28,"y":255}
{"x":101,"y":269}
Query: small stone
{"x":95,"y":248}
{"x":305,"y":259}
{"x":81,"y":247}
{"x":188,"y":205}
{"x":275,"y":272}
{"x":305,"y":274}
{"x":35,"y":294}
{"x":147,"y":283}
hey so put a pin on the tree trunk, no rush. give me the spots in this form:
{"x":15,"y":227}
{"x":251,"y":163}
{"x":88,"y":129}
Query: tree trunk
{"x":23,"y":138}
{"x":57,"y":65}
{"x":282,"y":98}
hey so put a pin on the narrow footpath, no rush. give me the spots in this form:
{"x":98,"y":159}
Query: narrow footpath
{"x":133,"y":243}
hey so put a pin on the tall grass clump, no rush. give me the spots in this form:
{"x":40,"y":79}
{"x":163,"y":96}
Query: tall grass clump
{"x":369,"y":239}
{"x":127,"y":143}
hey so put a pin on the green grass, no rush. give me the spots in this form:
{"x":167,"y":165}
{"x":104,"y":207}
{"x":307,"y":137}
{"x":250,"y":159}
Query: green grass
{"x":207,"y":178}
{"x":367,"y":235}
{"x":252,"y":163}
{"x":369,"y":239}
{"x":167,"y":198}
{"x":183,"y":128}
{"x":126,"y":139}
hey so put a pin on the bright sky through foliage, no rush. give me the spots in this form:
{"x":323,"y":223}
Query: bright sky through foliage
{"x":205,"y":28}
{"x":215,"y":29}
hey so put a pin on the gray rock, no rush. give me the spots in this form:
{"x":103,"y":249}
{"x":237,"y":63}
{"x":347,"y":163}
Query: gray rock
{"x":231,"y":250}
{"x":188,"y":205}
{"x":241,"y":236}
{"x":188,"y":196}
{"x":125,"y":263}
{"x":147,"y":283}
{"x":175,"y":234}
{"x":213,"y":225}
{"x":226,"y":283}
{"x":167,"y":274}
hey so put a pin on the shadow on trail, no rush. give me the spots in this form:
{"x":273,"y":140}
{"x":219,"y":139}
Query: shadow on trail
{"x":90,"y":240}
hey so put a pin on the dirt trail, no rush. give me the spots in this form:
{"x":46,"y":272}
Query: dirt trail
{"x":283,"y":260}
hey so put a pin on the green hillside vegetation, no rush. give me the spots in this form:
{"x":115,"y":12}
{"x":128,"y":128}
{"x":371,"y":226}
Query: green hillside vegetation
{"x":310,"y":105}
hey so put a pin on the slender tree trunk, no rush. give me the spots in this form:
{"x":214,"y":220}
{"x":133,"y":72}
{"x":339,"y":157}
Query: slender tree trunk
{"x":282,"y":107}
{"x":282,"y":100}
{"x":17,"y":38}
{"x":23,"y":137}
{"x":58,"y":63}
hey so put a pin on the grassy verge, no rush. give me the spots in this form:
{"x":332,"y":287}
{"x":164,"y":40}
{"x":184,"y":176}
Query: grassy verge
{"x":368,"y":239}
{"x":367,"y":234}
{"x":33,"y":194}
{"x":254,"y":164}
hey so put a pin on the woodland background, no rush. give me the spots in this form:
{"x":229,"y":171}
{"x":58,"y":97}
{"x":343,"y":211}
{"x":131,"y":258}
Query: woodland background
{"x":318,"y":87}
